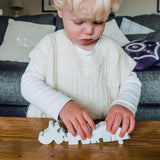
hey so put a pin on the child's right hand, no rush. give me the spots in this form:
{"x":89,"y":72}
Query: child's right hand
{"x":76,"y":118}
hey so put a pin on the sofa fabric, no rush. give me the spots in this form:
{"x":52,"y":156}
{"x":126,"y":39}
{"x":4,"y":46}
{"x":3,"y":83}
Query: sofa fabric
{"x":150,"y":85}
{"x":13,"y":104}
{"x":3,"y":23}
{"x":10,"y":77}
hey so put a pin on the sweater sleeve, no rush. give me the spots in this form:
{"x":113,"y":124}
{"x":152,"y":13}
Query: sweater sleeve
{"x":37,"y":92}
{"x":129,"y":93}
{"x":120,"y":67}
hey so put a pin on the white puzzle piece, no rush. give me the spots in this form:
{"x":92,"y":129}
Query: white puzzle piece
{"x":53,"y":132}
{"x":56,"y":133}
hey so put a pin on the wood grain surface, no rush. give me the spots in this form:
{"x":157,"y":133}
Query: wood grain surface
{"x":19,"y":141}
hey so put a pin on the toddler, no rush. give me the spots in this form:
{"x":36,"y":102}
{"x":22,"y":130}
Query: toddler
{"x":78,"y":75}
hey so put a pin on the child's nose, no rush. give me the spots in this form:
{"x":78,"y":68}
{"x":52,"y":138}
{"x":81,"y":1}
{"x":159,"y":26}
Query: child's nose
{"x":88,"y":29}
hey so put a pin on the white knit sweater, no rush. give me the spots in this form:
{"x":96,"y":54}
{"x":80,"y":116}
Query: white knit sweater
{"x":94,"y":84}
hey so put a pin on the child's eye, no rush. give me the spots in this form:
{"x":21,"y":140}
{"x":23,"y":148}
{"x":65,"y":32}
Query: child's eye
{"x":78,"y":22}
{"x":98,"y":22}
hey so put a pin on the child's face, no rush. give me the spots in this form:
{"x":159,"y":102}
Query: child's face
{"x":82,"y":32}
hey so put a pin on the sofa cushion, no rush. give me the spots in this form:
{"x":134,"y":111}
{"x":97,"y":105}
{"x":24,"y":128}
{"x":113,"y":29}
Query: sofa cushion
{"x":150,"y":79}
{"x":145,"y":53}
{"x":133,"y":37}
{"x":20,"y":38}
{"x":13,"y":110}
{"x":112,"y":30}
{"x":3,"y":27}
{"x":148,"y":112}
{"x":151,"y":20}
{"x":40,"y":19}
{"x":154,"y":36}
{"x":129,"y":27}
{"x":59,"y":23}
{"x":10,"y":78}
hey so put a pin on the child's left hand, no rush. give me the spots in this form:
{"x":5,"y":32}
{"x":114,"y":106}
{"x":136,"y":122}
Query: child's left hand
{"x":119,"y":114}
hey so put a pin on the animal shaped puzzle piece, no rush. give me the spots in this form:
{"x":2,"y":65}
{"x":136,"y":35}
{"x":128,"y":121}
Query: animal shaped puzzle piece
{"x":55,"y":133}
{"x":101,"y":132}
{"x":75,"y":140}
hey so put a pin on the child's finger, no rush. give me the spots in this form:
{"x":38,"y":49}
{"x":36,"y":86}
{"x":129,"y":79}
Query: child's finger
{"x":110,"y":119}
{"x":89,"y":120}
{"x":125,"y":126}
{"x":85,"y":128}
{"x":70,"y":128}
{"x":79,"y":129}
{"x":132,"y":125}
{"x":116,"y":123}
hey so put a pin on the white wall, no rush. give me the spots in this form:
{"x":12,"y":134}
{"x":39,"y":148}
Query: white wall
{"x":129,"y":7}
{"x":138,"y":7}
{"x":30,"y":7}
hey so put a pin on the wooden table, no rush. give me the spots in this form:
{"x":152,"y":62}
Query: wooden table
{"x":19,"y":140}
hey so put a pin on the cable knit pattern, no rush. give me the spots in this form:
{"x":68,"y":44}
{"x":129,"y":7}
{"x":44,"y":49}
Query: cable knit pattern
{"x":93,"y":84}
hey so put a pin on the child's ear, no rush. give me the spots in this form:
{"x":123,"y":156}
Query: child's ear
{"x":59,"y":10}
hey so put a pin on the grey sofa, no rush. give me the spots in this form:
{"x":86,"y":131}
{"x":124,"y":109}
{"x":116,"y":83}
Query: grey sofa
{"x":13,"y":104}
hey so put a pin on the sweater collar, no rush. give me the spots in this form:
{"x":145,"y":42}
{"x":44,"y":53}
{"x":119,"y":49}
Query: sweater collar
{"x":89,"y":67}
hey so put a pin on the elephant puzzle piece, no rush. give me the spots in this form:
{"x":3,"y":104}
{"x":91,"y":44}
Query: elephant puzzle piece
{"x":56,"y":133}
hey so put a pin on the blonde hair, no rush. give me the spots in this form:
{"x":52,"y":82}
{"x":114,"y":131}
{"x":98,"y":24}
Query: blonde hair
{"x":99,"y":9}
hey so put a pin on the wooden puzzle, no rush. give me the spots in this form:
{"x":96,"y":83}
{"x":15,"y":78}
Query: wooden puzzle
{"x":57,"y":134}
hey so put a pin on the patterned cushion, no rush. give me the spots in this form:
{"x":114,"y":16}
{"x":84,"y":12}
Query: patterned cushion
{"x":145,"y":53}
